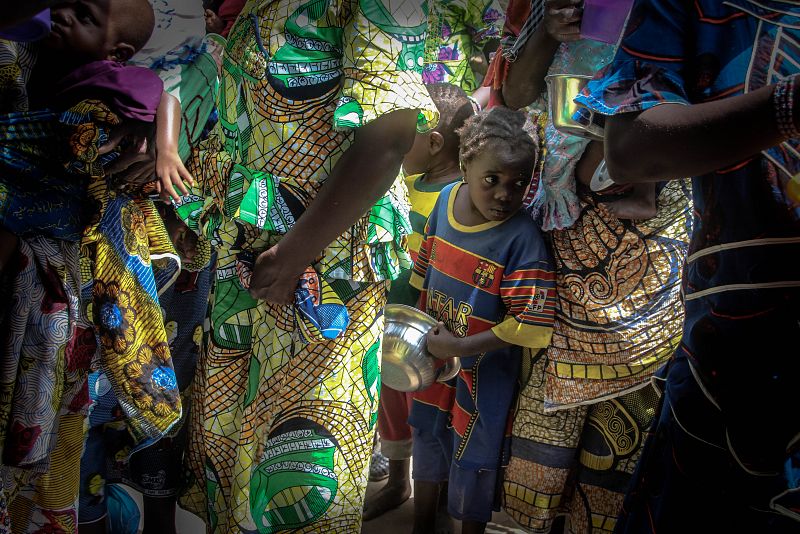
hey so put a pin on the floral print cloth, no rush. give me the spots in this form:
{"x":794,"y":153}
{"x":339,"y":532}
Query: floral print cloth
{"x":458,"y":30}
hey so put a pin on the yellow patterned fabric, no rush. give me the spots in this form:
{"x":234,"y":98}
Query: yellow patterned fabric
{"x":281,"y":436}
{"x":117,"y":247}
{"x":574,"y":462}
{"x":620,"y":313}
{"x":48,"y":503}
{"x":281,"y":431}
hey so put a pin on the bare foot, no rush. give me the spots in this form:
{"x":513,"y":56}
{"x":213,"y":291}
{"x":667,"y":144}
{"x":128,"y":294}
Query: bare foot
{"x":389,"y":497}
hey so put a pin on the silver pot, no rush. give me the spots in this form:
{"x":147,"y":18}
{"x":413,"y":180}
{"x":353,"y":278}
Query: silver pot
{"x":561,"y":91}
{"x":406,"y":364}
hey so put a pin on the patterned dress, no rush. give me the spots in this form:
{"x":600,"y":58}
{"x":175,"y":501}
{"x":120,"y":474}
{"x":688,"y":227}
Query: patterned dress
{"x":459,"y":29}
{"x":283,"y":419}
{"x":724,"y":450}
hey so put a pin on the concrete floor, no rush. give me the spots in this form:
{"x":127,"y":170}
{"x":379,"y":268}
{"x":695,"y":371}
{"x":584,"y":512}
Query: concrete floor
{"x":401,"y":520}
{"x":398,"y":521}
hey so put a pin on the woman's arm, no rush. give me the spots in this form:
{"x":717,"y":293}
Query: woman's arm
{"x":363,"y":173}
{"x":673,"y":141}
{"x":525,"y":79}
{"x":524,"y":82}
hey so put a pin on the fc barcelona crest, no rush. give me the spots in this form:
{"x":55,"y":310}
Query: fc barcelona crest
{"x":483,"y":275}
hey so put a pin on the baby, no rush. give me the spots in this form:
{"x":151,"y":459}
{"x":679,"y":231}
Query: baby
{"x":82,"y":61}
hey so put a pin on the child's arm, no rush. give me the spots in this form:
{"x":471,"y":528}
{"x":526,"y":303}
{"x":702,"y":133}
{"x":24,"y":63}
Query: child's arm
{"x":443,"y":345}
{"x":169,"y":168}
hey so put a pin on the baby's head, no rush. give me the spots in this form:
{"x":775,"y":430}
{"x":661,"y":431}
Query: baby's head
{"x":441,"y":144}
{"x":94,"y":30}
{"x":498,"y":154}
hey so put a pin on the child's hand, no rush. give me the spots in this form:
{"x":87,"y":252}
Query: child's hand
{"x":441,"y":343}
{"x":171,"y":173}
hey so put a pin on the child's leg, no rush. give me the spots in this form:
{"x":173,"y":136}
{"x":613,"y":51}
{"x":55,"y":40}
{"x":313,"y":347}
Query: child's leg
{"x":395,"y":436}
{"x":159,"y":515}
{"x":431,"y":467}
{"x":426,"y":503}
{"x":472,"y":527}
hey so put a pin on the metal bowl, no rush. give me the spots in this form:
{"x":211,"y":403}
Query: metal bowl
{"x":561,"y":91}
{"x":406,"y":364}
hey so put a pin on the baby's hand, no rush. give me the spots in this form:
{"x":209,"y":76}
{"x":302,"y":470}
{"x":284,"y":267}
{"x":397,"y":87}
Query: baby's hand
{"x":171,"y":174}
{"x":441,"y":343}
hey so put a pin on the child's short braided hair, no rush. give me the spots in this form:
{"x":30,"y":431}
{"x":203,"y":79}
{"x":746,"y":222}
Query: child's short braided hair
{"x":454,"y":108}
{"x":499,"y":124}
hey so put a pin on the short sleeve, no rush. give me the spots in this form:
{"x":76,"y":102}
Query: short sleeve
{"x":485,"y":19}
{"x":529,"y":295}
{"x":646,"y":71}
{"x":383,"y":44}
{"x":420,"y":269}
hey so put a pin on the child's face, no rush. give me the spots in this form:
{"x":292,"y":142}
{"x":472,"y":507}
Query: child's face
{"x":83,"y":29}
{"x":418,"y":159}
{"x":498,"y":180}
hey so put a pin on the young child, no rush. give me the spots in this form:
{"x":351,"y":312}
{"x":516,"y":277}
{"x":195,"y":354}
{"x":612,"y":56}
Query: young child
{"x":430,"y":165}
{"x":485,"y":275}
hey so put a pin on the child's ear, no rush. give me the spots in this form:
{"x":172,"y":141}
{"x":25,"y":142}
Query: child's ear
{"x":121,"y":52}
{"x":435,"y":143}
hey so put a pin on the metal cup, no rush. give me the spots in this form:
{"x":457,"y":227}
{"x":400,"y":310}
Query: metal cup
{"x":562,"y":90}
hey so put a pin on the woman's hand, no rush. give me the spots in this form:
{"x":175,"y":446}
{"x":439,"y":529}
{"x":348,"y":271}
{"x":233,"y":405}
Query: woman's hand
{"x":562,"y":19}
{"x":171,"y":175}
{"x":275,"y":275}
{"x":214,"y":24}
{"x":441,"y":343}
{"x":136,"y":164}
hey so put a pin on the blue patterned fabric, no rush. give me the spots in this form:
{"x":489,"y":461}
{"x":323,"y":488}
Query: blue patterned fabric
{"x":319,"y":312}
{"x":43,"y":186}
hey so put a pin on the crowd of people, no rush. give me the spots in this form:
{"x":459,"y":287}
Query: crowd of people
{"x":205,"y":208}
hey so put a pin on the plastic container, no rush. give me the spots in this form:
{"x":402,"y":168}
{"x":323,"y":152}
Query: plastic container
{"x":32,"y":29}
{"x":603,"y":20}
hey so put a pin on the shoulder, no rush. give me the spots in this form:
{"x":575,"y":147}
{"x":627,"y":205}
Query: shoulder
{"x":525,"y":239}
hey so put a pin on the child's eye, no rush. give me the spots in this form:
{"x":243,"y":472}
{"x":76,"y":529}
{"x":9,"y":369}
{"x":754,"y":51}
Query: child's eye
{"x":521,"y":183}
{"x":83,"y":14}
{"x":491,"y":179}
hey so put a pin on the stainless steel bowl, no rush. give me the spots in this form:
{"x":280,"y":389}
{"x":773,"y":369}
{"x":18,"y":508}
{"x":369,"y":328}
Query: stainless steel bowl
{"x":406,"y":364}
{"x":561,"y":91}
